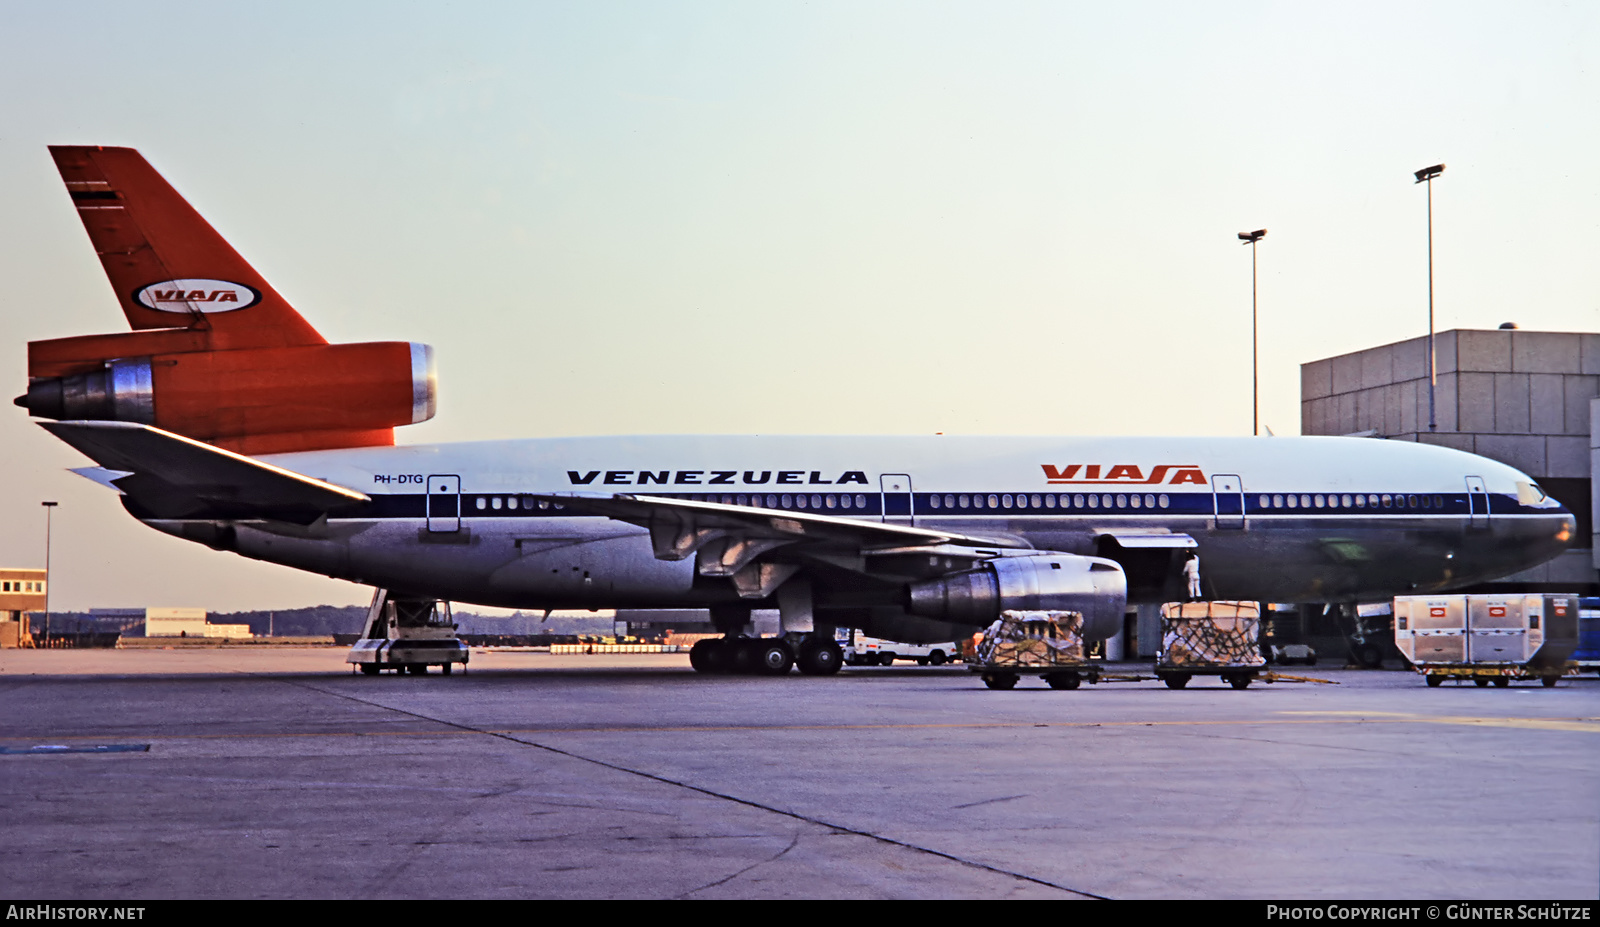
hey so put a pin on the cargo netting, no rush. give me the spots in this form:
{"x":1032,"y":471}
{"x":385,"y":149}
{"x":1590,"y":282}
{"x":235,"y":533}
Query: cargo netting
{"x":1211,"y":634}
{"x":1033,"y":638}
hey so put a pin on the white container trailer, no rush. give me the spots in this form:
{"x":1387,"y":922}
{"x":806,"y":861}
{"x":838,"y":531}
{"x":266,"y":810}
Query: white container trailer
{"x":1487,"y":638}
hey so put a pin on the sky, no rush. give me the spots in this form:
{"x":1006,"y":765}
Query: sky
{"x":799,"y":218}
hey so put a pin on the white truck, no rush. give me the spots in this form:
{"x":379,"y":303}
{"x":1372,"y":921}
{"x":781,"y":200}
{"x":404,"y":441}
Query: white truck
{"x":861,"y":650}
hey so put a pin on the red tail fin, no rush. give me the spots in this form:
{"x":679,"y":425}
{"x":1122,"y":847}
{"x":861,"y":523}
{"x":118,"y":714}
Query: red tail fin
{"x":169,"y":267}
{"x":217,"y":355}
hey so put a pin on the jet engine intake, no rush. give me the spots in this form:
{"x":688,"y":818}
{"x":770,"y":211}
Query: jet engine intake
{"x":1094,"y":586}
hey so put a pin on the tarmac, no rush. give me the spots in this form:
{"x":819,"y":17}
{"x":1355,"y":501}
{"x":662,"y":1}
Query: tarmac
{"x":275,"y":773}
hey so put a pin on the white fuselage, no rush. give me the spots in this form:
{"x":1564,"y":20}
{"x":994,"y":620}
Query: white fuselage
{"x":1275,"y":519}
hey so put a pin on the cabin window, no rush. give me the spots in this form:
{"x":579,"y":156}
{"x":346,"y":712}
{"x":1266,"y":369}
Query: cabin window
{"x":1411,"y":501}
{"x":994,"y":501}
{"x":1372,"y":501}
{"x":963,"y":501}
{"x":1345,"y":501}
{"x":1277,"y":502}
{"x":1005,"y":500}
{"x":482,"y":503}
{"x":1134,"y":501}
{"x":861,"y":501}
{"x":933,"y":502}
{"x":788,"y":502}
{"x":1266,"y":501}
{"x":1094,"y":502}
{"x":1122,"y":502}
{"x":1163,"y":500}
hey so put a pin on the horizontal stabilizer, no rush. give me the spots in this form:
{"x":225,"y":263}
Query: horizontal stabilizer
{"x":170,"y":476}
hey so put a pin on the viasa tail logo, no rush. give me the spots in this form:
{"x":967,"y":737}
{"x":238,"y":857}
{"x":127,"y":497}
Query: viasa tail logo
{"x":196,"y":295}
{"x":1124,"y":474}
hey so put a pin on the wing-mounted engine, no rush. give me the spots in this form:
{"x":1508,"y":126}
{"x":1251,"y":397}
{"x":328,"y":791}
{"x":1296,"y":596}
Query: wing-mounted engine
{"x":1047,"y":581}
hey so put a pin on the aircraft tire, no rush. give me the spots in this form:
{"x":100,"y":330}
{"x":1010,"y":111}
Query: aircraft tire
{"x":820,"y":658}
{"x":774,"y":658}
{"x":743,"y":654}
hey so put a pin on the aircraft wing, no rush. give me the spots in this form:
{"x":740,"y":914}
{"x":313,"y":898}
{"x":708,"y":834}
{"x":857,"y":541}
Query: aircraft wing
{"x":171,"y":476}
{"x":759,"y":547}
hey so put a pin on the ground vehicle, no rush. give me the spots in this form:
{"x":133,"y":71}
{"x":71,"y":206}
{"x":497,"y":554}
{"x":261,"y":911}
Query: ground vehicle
{"x":1210,"y":639}
{"x":1048,"y":644}
{"x":862,"y":650}
{"x":1487,"y":638}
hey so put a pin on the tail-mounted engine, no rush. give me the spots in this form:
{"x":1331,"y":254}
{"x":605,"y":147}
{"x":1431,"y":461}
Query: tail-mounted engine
{"x":1056,"y":582}
{"x":254,"y":401}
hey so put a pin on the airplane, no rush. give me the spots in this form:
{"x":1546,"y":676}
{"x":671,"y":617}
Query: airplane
{"x":224,"y":418}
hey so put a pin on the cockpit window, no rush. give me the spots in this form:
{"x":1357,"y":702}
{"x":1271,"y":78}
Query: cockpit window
{"x":1531,"y":494}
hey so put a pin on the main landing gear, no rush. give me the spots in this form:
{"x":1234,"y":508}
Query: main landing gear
{"x":767,"y":656}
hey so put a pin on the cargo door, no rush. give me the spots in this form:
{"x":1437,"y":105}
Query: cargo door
{"x":896,"y":489}
{"x":1228,"y":490}
{"x":1477,"y":502}
{"x":444,"y":503}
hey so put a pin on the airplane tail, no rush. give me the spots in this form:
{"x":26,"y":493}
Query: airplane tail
{"x":216,"y":354}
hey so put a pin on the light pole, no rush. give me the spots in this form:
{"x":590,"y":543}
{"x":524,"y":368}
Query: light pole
{"x":1250,"y":238}
{"x":49,"y":509}
{"x":1426,"y":175}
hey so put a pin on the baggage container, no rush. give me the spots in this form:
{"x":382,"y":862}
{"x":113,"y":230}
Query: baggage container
{"x":1487,"y":638}
{"x":1587,"y":656}
{"x":1210,"y":639}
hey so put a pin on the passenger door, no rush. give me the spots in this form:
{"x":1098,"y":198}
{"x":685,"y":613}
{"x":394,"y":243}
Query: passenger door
{"x":444,"y":503}
{"x":1477,"y":503}
{"x":896,"y":488}
{"x":1228,"y":493}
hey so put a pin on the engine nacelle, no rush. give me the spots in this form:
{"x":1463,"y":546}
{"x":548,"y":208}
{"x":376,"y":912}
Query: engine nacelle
{"x":255,"y":401}
{"x":1094,"y":586}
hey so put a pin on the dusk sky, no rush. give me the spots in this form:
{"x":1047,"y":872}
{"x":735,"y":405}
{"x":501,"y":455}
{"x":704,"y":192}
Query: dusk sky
{"x":799,"y":218}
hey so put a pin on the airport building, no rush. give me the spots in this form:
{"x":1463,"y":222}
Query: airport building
{"x":1528,"y":399}
{"x":21,"y":592}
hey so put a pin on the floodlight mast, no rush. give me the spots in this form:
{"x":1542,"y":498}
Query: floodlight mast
{"x":1426,"y":176}
{"x":1250,"y":238}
